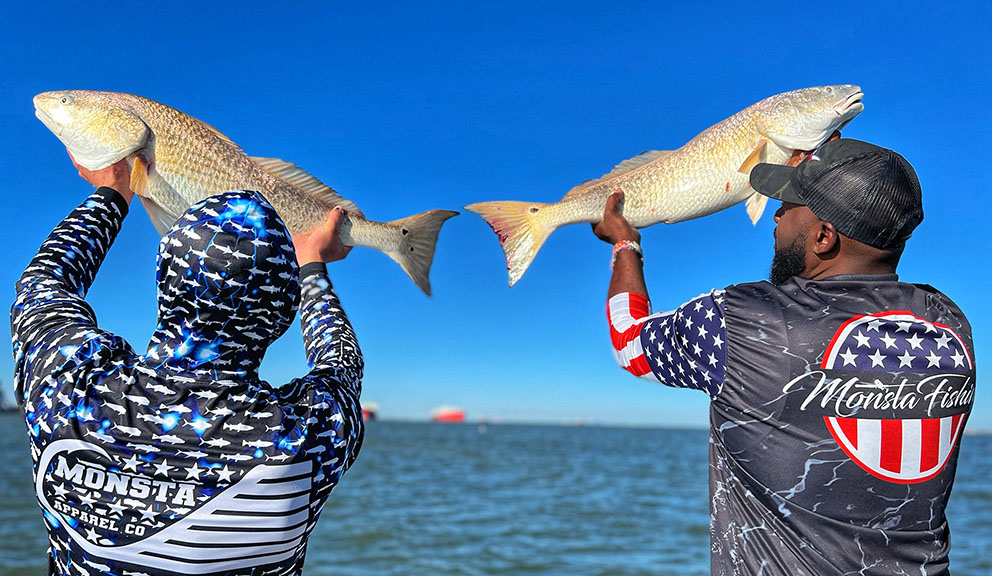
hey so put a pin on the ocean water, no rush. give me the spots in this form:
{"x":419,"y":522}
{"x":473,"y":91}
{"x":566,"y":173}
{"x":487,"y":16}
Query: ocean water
{"x":508,"y":499}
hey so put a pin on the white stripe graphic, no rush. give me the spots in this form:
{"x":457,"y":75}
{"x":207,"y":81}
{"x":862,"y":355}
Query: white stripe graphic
{"x":870,"y":442}
{"x":912,"y":442}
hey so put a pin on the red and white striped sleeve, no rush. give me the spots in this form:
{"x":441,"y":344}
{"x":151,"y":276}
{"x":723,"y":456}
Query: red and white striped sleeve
{"x":627,"y":313}
{"x":683,"y":348}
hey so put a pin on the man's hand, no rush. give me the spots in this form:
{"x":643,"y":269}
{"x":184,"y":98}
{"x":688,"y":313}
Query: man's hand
{"x":613,"y":227}
{"x":321,"y":243}
{"x":116,"y":176}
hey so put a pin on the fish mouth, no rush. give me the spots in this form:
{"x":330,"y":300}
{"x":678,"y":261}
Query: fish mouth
{"x":52,"y":125}
{"x":851,"y":105}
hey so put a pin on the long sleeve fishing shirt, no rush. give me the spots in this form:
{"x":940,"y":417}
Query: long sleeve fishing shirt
{"x":181,"y":460}
{"x":837,"y":407}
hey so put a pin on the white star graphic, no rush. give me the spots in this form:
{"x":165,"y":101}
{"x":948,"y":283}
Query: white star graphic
{"x":717,"y":341}
{"x":132,"y":463}
{"x":163,"y":468}
{"x":889,"y":341}
{"x":148,"y":514}
{"x":906,"y":359}
{"x":877,"y":359}
{"x":915,"y":341}
{"x":698,"y":306}
{"x":60,"y":490}
{"x":958,"y":358}
{"x":862,"y":340}
{"x":223,"y":474}
{"x":710,"y":313}
{"x":653,"y":336}
{"x":685,"y":341}
{"x":942,"y":341}
{"x":711,"y":359}
{"x":933,"y":359}
{"x":92,"y":535}
{"x":193,"y":472}
{"x":903,"y":326}
{"x":875,"y":325}
{"x":86,"y":500}
{"x":116,"y":508}
{"x":930,"y":327}
{"x":696,"y":349}
{"x":702,"y":331}
{"x":849,"y":358}
{"x":688,"y":322}
{"x":706,"y":376}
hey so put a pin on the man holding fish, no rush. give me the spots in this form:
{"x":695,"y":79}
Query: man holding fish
{"x":838,"y":393}
{"x":181,"y":460}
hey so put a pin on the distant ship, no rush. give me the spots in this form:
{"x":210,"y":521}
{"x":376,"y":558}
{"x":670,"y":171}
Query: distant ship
{"x":448,"y":414}
{"x":370,"y":411}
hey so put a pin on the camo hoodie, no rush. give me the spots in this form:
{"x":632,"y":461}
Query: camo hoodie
{"x":181,"y":461}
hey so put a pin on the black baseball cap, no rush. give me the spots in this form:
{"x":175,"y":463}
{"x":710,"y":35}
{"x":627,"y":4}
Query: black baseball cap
{"x":870,"y":194}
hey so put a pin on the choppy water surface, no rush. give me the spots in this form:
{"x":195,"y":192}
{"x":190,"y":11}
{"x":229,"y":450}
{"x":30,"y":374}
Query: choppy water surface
{"x":500,"y":499}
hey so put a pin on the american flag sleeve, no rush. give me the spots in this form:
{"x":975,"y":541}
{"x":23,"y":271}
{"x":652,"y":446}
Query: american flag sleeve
{"x":49,"y":319}
{"x":329,"y":339}
{"x":684,"y":348}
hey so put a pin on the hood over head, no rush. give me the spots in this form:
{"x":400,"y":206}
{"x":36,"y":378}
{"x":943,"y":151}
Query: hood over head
{"x":228,"y":286}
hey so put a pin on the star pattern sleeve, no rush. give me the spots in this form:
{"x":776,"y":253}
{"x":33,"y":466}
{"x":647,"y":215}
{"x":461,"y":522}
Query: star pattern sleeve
{"x":50,"y":320}
{"x":684,"y":348}
{"x":328,"y":336}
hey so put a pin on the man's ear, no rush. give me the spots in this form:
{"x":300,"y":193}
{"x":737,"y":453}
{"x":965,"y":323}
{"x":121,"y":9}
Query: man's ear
{"x":826,"y":240}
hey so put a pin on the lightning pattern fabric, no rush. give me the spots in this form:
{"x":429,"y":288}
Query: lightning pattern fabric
{"x":835,"y":418}
{"x":181,"y":460}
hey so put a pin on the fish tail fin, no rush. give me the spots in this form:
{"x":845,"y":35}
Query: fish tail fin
{"x":416,"y":252}
{"x":521,"y":229}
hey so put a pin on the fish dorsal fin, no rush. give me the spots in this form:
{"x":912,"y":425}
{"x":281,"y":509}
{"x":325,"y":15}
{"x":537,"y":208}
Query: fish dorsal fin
{"x":219,"y":134}
{"x":637,"y":161}
{"x":622,"y":168}
{"x":300,"y":178}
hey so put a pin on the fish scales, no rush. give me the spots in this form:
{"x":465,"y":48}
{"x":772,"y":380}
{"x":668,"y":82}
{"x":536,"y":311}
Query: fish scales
{"x":707,"y":174}
{"x":177,"y":160}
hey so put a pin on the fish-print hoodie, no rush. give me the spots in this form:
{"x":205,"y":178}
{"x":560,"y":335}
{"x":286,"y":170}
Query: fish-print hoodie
{"x":181,"y":460}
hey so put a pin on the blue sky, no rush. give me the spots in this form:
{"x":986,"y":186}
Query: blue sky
{"x":406,"y":107}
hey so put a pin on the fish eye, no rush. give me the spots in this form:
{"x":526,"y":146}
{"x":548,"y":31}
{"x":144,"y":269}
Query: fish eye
{"x":66,"y":100}
{"x":829,"y":89}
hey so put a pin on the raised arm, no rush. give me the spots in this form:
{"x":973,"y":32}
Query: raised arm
{"x":328,"y":336}
{"x":50,"y":319}
{"x":683,"y":348}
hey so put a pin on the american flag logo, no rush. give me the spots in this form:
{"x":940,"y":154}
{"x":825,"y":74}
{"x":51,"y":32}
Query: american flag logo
{"x":903,"y":451}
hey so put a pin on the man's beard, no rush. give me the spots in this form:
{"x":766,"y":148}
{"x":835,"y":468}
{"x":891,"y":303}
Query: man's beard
{"x":789,"y":261}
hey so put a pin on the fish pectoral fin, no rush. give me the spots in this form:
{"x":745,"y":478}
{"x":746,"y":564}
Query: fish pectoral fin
{"x":139,"y":176}
{"x":757,"y":156}
{"x":161,"y":218}
{"x":755,"y":206}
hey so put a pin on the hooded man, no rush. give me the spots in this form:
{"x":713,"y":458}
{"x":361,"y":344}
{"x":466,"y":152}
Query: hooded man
{"x":838,"y":393}
{"x":181,"y":460}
